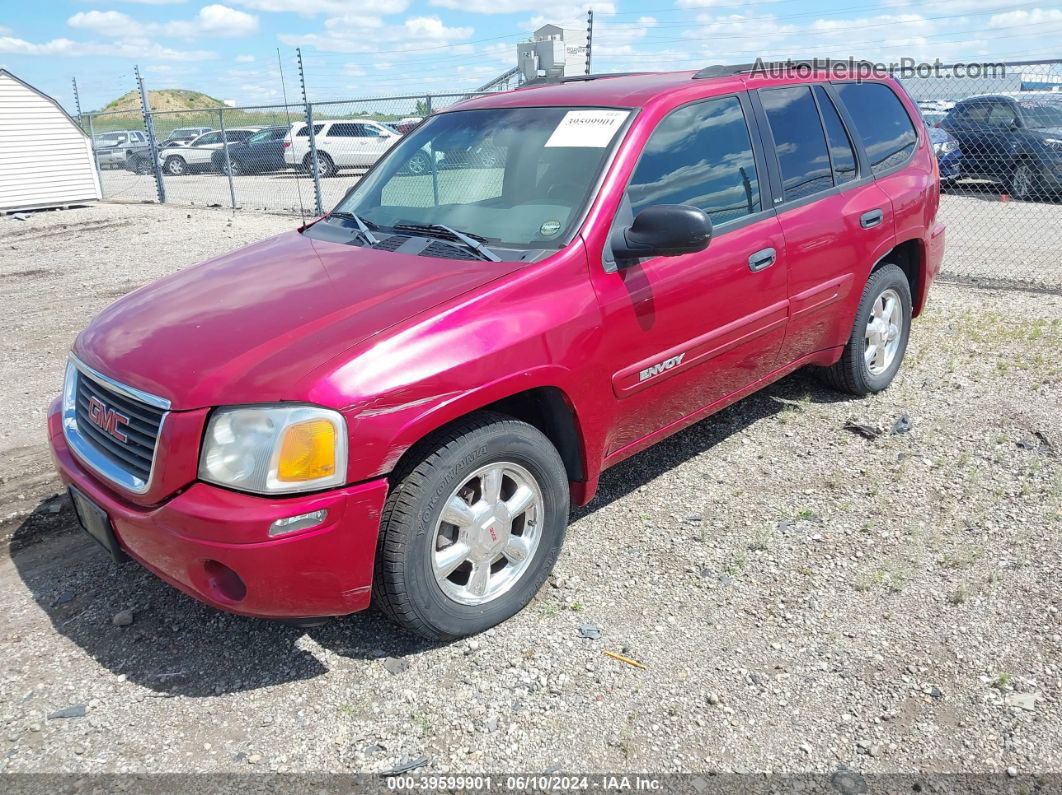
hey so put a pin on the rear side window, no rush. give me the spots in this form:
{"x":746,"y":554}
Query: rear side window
{"x":345,"y":131}
{"x":842,"y":156}
{"x":304,"y":133}
{"x":881,"y":121}
{"x":701,"y":155}
{"x":798,"y":140}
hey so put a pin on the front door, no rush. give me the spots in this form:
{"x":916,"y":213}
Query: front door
{"x":684,"y":333}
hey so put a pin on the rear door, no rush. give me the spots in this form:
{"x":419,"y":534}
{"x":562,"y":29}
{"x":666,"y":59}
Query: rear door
{"x":344,"y":143}
{"x":834,"y":217}
{"x":201,"y":150}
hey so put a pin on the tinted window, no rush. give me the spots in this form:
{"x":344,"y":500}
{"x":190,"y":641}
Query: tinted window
{"x":345,"y":131}
{"x":842,"y":156}
{"x":209,"y":138}
{"x":1001,"y":115}
{"x":699,"y":155}
{"x":883,"y":124}
{"x":798,"y":140}
{"x":304,"y":133}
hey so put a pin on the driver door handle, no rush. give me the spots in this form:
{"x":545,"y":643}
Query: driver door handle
{"x":764,"y":258}
{"x":871,"y":218}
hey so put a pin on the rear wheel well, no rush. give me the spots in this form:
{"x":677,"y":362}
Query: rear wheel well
{"x":908,"y":257}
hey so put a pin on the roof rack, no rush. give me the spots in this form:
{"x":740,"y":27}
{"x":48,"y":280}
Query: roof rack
{"x":731,"y":70}
{"x":554,"y":81}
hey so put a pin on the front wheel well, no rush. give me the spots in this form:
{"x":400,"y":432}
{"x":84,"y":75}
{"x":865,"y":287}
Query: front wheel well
{"x":546,"y":408}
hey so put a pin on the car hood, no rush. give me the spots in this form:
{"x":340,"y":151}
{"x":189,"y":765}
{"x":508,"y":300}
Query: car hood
{"x":939,"y":136}
{"x":247,"y":327}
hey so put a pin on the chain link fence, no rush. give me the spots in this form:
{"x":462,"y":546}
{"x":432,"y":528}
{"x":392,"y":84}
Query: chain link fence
{"x":998,"y":138}
{"x":255,"y":157}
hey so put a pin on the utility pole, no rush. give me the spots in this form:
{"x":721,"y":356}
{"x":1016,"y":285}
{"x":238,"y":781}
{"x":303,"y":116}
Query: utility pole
{"x":589,"y":36}
{"x":77,"y":100}
{"x":313,"y":139}
{"x":149,"y":128}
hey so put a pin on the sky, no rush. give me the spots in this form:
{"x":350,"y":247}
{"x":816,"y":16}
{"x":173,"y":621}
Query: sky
{"x":374,"y":48}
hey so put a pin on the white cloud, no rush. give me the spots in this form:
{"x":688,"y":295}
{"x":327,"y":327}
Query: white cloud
{"x":147,"y":2}
{"x":1036,"y":16}
{"x":365,"y":35}
{"x":553,"y":9}
{"x":244,"y":59}
{"x":310,"y":8}
{"x":106,"y":23}
{"x":906,"y":23}
{"x":126,"y":48}
{"x":212,"y":20}
{"x":737,"y":32}
{"x":719,"y":3}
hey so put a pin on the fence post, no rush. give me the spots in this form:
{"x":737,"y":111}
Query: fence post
{"x":225,"y":149}
{"x":427,"y":105}
{"x":95,"y":153}
{"x":317,"y":203}
{"x":149,"y":128}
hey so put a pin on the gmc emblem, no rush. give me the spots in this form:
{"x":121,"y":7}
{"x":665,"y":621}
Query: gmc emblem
{"x":107,"y":418}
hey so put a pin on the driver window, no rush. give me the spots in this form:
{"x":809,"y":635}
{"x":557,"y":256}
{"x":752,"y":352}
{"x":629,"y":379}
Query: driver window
{"x":701,"y":155}
{"x":1001,"y":115}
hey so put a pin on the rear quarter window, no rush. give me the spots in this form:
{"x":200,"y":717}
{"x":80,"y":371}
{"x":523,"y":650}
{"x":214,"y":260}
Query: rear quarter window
{"x":881,"y":122}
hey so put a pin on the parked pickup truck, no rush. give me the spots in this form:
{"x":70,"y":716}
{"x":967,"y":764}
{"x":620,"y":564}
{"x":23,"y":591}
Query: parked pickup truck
{"x":400,"y":401}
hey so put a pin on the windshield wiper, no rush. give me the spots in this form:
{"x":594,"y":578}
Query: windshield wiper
{"x":443,"y":232}
{"x":363,"y":227}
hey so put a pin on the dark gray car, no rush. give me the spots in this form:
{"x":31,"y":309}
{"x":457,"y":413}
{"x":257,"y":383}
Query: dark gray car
{"x":1016,"y":141}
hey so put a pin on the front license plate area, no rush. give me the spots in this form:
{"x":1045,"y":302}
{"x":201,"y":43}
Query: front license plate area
{"x":97,"y":524}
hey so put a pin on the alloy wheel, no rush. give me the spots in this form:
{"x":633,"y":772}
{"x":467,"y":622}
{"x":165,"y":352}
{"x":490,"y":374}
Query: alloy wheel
{"x":884,"y":332}
{"x":487,"y":533}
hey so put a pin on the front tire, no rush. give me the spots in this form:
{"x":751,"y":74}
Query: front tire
{"x":175,"y":166}
{"x":879,"y":336}
{"x":472,"y":528}
{"x":1022,"y":182}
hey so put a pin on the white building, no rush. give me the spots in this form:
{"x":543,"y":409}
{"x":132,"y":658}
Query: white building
{"x":45,"y":157}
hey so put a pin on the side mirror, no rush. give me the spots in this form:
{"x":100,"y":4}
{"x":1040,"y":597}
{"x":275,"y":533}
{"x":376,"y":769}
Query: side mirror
{"x":664,"y":230}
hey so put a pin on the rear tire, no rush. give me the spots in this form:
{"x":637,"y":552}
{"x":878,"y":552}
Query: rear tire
{"x":878,"y":341}
{"x":325,"y":167}
{"x":513,"y":549}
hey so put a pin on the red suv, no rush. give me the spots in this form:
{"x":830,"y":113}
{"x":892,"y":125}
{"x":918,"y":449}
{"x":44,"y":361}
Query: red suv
{"x":398,"y":402}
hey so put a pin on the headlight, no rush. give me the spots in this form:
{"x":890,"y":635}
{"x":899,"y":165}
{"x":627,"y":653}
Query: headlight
{"x":1054,"y":143}
{"x":275,"y":449}
{"x":944,"y":147}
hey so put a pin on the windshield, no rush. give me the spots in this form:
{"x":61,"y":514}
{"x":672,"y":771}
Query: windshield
{"x":1041,"y":115}
{"x":515,"y":177}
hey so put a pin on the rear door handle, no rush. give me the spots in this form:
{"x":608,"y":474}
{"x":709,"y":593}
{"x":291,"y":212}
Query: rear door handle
{"x":764,"y":258}
{"x":871,"y":218}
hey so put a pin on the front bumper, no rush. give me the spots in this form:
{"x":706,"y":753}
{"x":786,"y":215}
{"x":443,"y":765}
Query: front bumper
{"x":197,"y":539}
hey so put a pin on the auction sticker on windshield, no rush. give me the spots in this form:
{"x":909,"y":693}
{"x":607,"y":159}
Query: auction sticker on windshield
{"x":590,"y":128}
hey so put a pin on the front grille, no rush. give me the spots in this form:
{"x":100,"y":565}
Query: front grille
{"x":141,"y":427}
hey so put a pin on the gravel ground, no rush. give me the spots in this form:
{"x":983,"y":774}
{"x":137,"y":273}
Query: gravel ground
{"x":800,"y":596}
